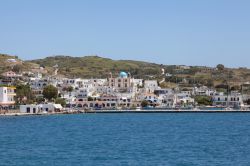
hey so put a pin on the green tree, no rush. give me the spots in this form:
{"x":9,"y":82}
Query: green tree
{"x":50,"y":92}
{"x":210,"y":83}
{"x":222,"y":86}
{"x":220,"y":67}
{"x":39,"y":100}
{"x":67,"y":69}
{"x":236,"y":87}
{"x":17,"y":68}
{"x":60,"y":101}
{"x":90,"y":98}
{"x":70,"y":89}
{"x":203,"y":100}
{"x":144,"y":103}
{"x":24,"y":94}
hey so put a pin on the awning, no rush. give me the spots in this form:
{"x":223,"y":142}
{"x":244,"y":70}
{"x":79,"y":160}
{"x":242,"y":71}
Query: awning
{"x":58,"y":106}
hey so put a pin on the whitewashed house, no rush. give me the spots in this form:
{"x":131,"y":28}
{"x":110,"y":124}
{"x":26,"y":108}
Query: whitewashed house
{"x":184,"y":99}
{"x":150,"y":86}
{"x":232,"y":100}
{"x":166,"y":96}
{"x":7,"y":95}
{"x":204,"y":91}
{"x":41,"y":108}
{"x":30,"y":109}
{"x":75,"y":83}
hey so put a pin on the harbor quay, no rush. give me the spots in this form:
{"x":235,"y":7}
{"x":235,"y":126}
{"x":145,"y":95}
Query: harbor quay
{"x":18,"y":113}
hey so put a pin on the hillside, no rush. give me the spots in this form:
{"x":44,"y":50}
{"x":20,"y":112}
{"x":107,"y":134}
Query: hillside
{"x":187,"y":76}
{"x":98,"y":67}
{"x":9,"y":62}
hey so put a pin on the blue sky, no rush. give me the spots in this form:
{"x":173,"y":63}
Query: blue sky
{"x":190,"y":32}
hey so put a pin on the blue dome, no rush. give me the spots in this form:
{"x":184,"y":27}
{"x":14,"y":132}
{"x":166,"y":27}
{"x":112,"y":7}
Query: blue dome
{"x":123,"y":74}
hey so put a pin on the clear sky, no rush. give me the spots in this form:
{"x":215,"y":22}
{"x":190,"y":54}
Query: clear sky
{"x":190,"y":32}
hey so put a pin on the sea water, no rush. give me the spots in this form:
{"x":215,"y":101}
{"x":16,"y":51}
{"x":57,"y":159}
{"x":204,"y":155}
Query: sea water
{"x":180,"y":139}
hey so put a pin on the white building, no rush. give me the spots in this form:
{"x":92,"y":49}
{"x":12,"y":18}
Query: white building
{"x":31,"y":108}
{"x":184,"y":99}
{"x":168,"y":100}
{"x":204,"y":91}
{"x":11,"y":74}
{"x":104,"y":90}
{"x":75,"y":83}
{"x":138,"y":82}
{"x":232,"y":100}
{"x":7,"y":95}
{"x":166,"y":96}
{"x":41,"y":108}
{"x":123,"y":83}
{"x":160,"y":92}
{"x":36,"y":83}
{"x":150,"y":86}
{"x":124,"y":99}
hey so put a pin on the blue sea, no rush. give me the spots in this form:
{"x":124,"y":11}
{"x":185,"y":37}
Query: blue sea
{"x":178,"y":139}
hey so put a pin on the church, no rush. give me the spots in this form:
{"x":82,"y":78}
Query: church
{"x":122,"y":83}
